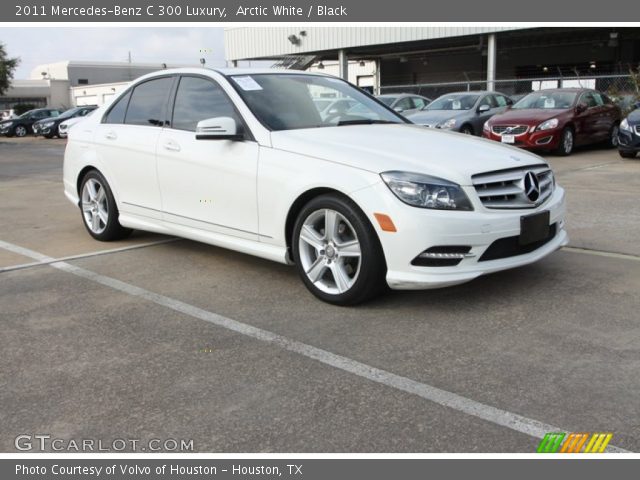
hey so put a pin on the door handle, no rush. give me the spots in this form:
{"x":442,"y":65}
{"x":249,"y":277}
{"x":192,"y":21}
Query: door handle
{"x":110,"y":135}
{"x":171,"y":146}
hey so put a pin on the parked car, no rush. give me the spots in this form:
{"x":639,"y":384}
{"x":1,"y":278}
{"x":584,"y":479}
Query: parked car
{"x":48,"y":127}
{"x":244,"y":160}
{"x":629,"y":135}
{"x":63,"y":128}
{"x":463,"y":112}
{"x":22,"y":125}
{"x":557,"y":120}
{"x":337,"y":108}
{"x":404,"y":103}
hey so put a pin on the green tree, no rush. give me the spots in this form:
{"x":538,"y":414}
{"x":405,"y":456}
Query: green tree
{"x":7,"y":67}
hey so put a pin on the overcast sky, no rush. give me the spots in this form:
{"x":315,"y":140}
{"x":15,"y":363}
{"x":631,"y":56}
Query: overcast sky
{"x":40,"y":45}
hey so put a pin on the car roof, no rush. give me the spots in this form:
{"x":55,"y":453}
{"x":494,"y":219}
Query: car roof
{"x":400,"y":95}
{"x":570,"y":89}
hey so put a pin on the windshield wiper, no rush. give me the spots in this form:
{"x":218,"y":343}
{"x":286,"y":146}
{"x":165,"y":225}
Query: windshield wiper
{"x":364,"y":121}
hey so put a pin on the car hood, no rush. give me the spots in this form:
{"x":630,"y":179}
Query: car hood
{"x":433,"y":117}
{"x":634,"y":117}
{"x":412,"y":148}
{"x":526,"y":116}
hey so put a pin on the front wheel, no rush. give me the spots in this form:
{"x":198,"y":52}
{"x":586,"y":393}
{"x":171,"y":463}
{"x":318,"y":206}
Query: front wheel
{"x":99,"y":209}
{"x":337,"y":251}
{"x":626,"y":154}
{"x":467,"y":130}
{"x":565,"y":147}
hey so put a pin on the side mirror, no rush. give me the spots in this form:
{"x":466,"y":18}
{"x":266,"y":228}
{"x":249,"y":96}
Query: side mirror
{"x":581,"y":107}
{"x":484,"y":108}
{"x":399,"y":109}
{"x":219,"y":128}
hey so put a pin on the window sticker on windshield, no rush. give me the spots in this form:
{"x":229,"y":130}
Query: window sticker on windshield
{"x":247,"y":83}
{"x":456,"y":105}
{"x":549,"y":102}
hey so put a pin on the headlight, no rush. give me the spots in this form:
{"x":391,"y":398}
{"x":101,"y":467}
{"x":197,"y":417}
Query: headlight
{"x":425,"y":191}
{"x":7,"y":125}
{"x":553,"y":123}
{"x":448,"y":124}
{"x":47,"y":124}
{"x":624,"y":125}
{"x":486,"y":127}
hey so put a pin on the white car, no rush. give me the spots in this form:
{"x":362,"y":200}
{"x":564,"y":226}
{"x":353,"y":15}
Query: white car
{"x":64,"y":127}
{"x":243,"y":160}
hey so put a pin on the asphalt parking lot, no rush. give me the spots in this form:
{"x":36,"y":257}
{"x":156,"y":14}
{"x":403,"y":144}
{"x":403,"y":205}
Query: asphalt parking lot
{"x":167,"y":338}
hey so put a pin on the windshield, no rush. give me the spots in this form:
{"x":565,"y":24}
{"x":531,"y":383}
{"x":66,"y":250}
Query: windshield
{"x":283,"y":101}
{"x":454,"y":101}
{"x":387,"y":100}
{"x":70,"y":113}
{"x":546,"y":100}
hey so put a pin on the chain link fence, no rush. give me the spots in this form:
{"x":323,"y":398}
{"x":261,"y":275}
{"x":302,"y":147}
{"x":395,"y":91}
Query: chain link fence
{"x":622,"y":89}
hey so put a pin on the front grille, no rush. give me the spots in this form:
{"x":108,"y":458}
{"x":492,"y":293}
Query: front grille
{"x":514,"y":129}
{"x":510,"y":246}
{"x":505,"y":188}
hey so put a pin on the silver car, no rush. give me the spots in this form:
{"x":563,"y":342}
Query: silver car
{"x":463,"y":112}
{"x":404,"y":103}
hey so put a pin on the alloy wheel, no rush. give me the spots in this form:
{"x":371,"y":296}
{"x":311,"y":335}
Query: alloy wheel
{"x":21,"y":131}
{"x":330,"y":251}
{"x":567,"y":141}
{"x":95,"y":208}
{"x":614,"y":136}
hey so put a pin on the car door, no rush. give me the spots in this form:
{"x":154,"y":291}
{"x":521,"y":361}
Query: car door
{"x":607,"y":116}
{"x":207,"y":184}
{"x":587,"y":120}
{"x":404,"y":105}
{"x":478,"y":120}
{"x":126,"y":142}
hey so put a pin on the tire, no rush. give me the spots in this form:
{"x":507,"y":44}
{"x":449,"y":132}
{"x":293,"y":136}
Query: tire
{"x":467,"y":130}
{"x":626,"y":154}
{"x":567,"y":141}
{"x":49,"y":135}
{"x":98,"y":209}
{"x":20,"y":131}
{"x":612,"y":141}
{"x":346,"y":267}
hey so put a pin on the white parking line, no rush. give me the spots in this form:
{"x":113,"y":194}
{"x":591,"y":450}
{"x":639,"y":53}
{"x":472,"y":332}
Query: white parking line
{"x":602,"y":253}
{"x":86,"y":255}
{"x":497,"y":416}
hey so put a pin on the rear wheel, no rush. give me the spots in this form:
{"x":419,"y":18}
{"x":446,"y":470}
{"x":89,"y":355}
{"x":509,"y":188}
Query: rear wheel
{"x":565,"y":147}
{"x":337,"y":252}
{"x":99,"y":209}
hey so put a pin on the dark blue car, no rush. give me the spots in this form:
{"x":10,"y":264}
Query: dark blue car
{"x":629,"y":135}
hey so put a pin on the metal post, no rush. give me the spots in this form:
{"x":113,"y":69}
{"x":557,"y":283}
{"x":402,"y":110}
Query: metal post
{"x":343,"y":63}
{"x":491,"y":62}
{"x":376,"y":77}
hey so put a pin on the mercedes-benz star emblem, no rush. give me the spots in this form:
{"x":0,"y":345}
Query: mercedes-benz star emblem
{"x":531,"y":186}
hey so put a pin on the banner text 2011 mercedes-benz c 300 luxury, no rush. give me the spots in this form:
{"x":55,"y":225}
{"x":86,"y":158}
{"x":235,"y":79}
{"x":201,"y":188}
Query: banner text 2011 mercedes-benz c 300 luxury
{"x":357,"y":199}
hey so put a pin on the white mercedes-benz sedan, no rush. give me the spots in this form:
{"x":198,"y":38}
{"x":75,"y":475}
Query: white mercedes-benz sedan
{"x":357,"y":200}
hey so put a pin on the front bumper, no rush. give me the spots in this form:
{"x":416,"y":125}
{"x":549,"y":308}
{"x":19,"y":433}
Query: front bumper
{"x":40,"y":130}
{"x":531,"y":140}
{"x":629,"y":141}
{"x":420,"y":229}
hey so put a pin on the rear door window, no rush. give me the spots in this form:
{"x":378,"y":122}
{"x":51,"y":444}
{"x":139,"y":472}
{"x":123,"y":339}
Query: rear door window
{"x":117,"y":112}
{"x":148,"y":102}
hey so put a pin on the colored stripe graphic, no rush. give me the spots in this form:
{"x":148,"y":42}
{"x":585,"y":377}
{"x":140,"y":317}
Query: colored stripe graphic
{"x":574,"y":442}
{"x":598,"y":442}
{"x":551,"y":442}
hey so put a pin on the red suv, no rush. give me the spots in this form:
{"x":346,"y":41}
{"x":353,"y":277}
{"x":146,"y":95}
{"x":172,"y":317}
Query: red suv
{"x":557,"y":120}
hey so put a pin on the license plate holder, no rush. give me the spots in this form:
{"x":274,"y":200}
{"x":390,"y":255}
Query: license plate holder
{"x":508,"y":139}
{"x":534,"y":228}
